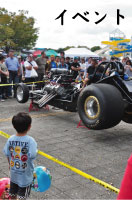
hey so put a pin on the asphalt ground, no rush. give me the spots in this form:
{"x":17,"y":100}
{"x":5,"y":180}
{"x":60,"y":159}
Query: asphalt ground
{"x":102,"y":154}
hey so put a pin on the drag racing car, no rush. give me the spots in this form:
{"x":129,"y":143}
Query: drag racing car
{"x":102,"y":104}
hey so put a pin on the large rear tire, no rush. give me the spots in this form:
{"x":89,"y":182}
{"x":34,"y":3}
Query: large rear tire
{"x":22,"y":93}
{"x":100,"y":106}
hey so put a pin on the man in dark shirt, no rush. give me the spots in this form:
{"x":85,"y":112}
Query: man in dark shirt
{"x":91,"y":70}
{"x":75,"y":67}
{"x":41,"y":62}
{"x":68,"y":62}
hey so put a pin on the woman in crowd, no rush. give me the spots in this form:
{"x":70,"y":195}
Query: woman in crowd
{"x":3,"y":78}
{"x":128,"y":68}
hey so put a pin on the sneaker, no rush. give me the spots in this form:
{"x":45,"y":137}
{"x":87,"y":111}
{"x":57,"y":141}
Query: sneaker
{"x":2,"y":100}
{"x":55,"y":108}
{"x":9,"y":97}
{"x":4,"y":97}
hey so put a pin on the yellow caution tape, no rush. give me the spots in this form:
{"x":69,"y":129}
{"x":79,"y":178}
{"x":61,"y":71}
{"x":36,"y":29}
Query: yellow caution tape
{"x":4,"y":134}
{"x":81,"y":173}
{"x":11,"y":84}
{"x":45,"y":81}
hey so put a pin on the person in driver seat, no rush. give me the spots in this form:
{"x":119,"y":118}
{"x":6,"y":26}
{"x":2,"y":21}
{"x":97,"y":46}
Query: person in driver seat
{"x":91,"y":71}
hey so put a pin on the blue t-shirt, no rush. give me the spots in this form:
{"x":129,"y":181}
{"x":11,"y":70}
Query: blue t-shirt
{"x":21,"y":151}
{"x":65,"y":66}
{"x":12,"y":64}
{"x":53,"y":64}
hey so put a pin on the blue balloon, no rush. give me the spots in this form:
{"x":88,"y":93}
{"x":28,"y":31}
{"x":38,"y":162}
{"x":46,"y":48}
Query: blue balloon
{"x":41,"y":179}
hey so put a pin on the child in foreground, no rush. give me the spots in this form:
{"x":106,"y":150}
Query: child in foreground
{"x":21,"y":150}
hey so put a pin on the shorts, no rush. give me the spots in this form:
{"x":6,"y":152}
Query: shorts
{"x":22,"y":192}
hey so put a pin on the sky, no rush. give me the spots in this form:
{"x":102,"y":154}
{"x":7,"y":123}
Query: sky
{"x":77,"y":31}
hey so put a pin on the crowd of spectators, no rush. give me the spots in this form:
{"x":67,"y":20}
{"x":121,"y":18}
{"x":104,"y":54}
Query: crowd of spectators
{"x":14,"y":69}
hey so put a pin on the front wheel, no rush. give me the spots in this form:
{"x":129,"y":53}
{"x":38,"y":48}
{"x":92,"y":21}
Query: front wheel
{"x":22,"y":93}
{"x":100,"y":106}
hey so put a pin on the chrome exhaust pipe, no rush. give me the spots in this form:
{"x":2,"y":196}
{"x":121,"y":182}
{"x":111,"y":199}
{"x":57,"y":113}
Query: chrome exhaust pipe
{"x":44,"y":97}
{"x":46,"y":100}
{"x":49,"y":97}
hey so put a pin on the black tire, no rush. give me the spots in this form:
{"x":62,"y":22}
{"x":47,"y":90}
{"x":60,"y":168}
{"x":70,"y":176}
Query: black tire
{"x":127,"y":117}
{"x":24,"y":90}
{"x":106,"y":109}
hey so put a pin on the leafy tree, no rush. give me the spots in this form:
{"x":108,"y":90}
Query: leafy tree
{"x":64,"y":49}
{"x":60,"y":50}
{"x":68,"y":47}
{"x":95,"y":48}
{"x":17,"y":30}
{"x":82,"y":47}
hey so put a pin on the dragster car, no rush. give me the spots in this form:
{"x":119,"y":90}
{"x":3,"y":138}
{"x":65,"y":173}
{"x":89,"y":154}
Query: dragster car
{"x":102,"y":104}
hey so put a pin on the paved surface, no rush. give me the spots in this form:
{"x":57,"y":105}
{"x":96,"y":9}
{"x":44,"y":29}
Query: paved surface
{"x":102,"y":154}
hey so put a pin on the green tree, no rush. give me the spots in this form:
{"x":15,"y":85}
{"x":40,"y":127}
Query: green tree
{"x":95,"y":48}
{"x":64,"y":49}
{"x":82,"y":47}
{"x":17,"y":30}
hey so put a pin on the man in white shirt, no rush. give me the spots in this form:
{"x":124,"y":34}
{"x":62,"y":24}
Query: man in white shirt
{"x":30,"y":69}
{"x":83,"y":65}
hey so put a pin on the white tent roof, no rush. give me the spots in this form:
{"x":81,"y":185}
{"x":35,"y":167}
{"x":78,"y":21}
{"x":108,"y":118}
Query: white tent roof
{"x":81,"y":52}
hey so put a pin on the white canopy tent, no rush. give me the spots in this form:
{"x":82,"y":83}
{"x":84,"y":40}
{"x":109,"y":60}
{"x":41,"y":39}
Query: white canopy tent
{"x":80,"y":52}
